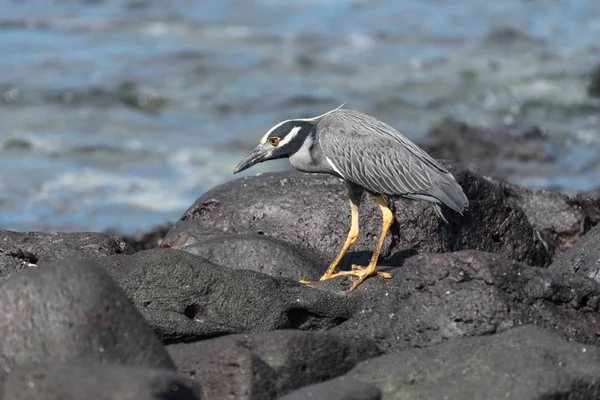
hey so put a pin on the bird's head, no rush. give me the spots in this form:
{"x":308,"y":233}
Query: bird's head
{"x":281,"y":141}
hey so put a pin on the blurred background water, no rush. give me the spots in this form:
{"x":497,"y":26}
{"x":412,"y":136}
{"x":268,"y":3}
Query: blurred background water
{"x":120,"y":113}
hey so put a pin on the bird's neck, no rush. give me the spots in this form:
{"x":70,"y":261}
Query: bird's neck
{"x":305,"y":158}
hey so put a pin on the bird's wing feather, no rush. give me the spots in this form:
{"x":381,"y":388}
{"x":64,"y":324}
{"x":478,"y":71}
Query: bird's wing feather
{"x":373,"y":155}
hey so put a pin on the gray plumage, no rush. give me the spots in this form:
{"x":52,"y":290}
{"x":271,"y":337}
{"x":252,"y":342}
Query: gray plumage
{"x":363,"y":151}
{"x":375,"y":156}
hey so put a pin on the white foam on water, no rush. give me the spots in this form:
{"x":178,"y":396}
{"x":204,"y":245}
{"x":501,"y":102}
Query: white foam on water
{"x":91,"y":187}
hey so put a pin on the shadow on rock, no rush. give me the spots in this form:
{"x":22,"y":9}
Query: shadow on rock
{"x":312,"y":212}
{"x":267,"y":365}
{"x":56,"y":381}
{"x":72,"y":310}
{"x":186,"y":297}
{"x":255,"y":252}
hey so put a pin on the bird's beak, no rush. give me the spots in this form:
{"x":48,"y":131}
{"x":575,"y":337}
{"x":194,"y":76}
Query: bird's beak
{"x":258,"y":155}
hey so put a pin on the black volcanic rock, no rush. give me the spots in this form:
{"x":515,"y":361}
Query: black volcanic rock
{"x":525,"y":363}
{"x":430,"y":298}
{"x":71,"y":310}
{"x":186,"y":297}
{"x":561,"y":220}
{"x":336,"y":389}
{"x":18,"y":250}
{"x":312,"y":212}
{"x":269,"y":364}
{"x":501,"y":151}
{"x":257,"y":253}
{"x":583,"y":258}
{"x":82,"y":381}
{"x":437,"y":297}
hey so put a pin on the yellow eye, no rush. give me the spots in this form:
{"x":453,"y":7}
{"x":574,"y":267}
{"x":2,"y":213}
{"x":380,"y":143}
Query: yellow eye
{"x":274,"y":141}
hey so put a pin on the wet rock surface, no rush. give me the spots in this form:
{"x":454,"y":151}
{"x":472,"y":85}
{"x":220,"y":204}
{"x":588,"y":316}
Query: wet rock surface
{"x":268,"y":364}
{"x":18,"y":250}
{"x":257,"y":253}
{"x":524,"y":363}
{"x":71,"y":310}
{"x":56,"y":381}
{"x":583,"y":258}
{"x":313,"y":213}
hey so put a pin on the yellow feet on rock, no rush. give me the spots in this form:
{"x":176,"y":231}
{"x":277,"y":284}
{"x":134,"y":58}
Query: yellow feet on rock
{"x":362,"y":273}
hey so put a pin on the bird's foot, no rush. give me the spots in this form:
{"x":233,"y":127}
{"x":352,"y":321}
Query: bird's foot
{"x":362,"y":273}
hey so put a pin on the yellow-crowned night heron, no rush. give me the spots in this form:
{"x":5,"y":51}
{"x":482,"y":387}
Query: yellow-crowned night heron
{"x":369,"y":155}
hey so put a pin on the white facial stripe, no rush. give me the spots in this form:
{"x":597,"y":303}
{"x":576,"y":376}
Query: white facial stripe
{"x":266,"y":136}
{"x":290,"y":136}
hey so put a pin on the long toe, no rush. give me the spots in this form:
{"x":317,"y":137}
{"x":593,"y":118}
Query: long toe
{"x":358,"y":282}
{"x":361,"y":273}
{"x":354,"y":272}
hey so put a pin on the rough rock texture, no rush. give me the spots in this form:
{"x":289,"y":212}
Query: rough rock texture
{"x":82,"y":381}
{"x":499,"y":151}
{"x":526,"y":363}
{"x":70,"y":310}
{"x":18,"y":250}
{"x":431,"y":298}
{"x":336,"y":389}
{"x":583,"y":258}
{"x":270,"y":364}
{"x":185,"y":297}
{"x":312,"y":212}
{"x":257,"y":253}
{"x":436,"y":297}
{"x":560,"y":219}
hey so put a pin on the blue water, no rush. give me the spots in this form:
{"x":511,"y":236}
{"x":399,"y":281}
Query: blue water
{"x":118,"y":114}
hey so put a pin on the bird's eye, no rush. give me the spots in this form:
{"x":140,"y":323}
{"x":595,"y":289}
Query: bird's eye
{"x":274,"y":141}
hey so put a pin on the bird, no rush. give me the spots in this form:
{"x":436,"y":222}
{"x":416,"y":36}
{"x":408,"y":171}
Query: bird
{"x":369,"y":155}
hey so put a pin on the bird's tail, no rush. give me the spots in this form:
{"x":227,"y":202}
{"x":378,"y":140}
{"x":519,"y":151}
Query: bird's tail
{"x":449,"y":192}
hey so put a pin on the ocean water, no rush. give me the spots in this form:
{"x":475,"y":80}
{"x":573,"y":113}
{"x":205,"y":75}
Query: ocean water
{"x":120,"y":113}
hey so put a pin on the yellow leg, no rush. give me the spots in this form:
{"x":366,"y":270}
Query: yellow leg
{"x":352,"y":236}
{"x":364,"y":273}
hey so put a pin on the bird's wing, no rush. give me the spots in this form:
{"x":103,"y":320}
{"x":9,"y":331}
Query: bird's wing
{"x":375,"y":156}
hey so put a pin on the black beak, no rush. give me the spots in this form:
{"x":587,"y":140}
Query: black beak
{"x":258,"y":155}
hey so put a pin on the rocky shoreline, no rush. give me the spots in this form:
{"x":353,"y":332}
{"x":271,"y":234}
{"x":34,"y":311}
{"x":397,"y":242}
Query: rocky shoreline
{"x":503,"y":302}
